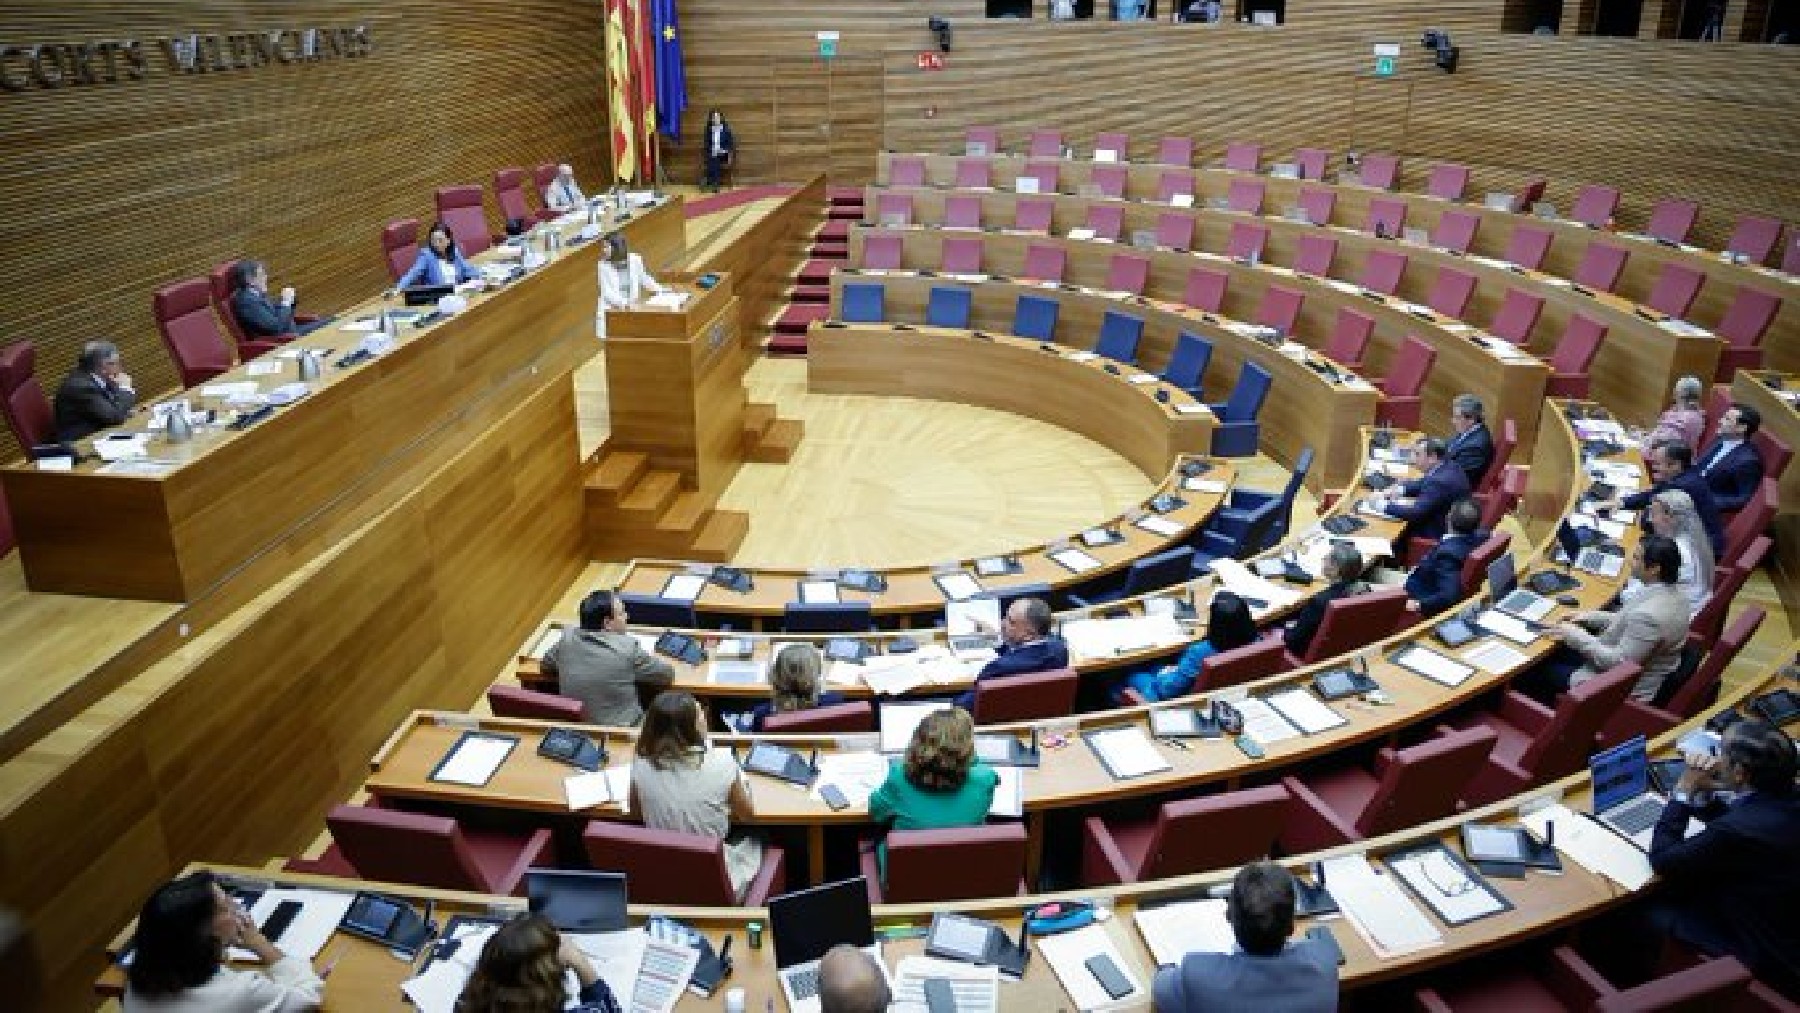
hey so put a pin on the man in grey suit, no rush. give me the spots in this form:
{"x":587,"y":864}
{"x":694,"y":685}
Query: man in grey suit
{"x":97,"y":395}
{"x":1268,"y":973}
{"x":1649,"y":629}
{"x":602,"y":665}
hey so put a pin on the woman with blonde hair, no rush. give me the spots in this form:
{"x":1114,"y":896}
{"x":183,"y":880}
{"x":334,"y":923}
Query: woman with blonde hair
{"x":1673,"y":516}
{"x":795,"y":683}
{"x":1683,"y":420}
{"x":521,"y":970}
{"x":938,"y":783}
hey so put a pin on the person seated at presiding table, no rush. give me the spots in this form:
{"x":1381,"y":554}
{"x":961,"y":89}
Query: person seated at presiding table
{"x":1026,"y":646}
{"x":1672,"y":516}
{"x":98,"y":394}
{"x":623,"y":280}
{"x":1683,"y":421}
{"x":795,"y":680}
{"x":1436,"y":583}
{"x":1472,"y":447}
{"x":680,"y":782}
{"x":440,"y":261}
{"x":602,"y":665}
{"x":178,"y":960}
{"x":1732,"y":466}
{"x":1733,"y":888}
{"x":257,"y":314}
{"x":1672,"y":467}
{"x":1228,"y":626}
{"x":849,"y":982}
{"x":1424,"y":501}
{"x":562,"y":194}
{"x":1650,"y":630}
{"x":521,"y":970}
{"x":1267,"y":972}
{"x":938,"y":783}
{"x":1343,"y":573}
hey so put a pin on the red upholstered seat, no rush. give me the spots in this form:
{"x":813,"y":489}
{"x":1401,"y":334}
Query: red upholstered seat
{"x":1350,"y":338}
{"x":1566,"y":982}
{"x":1187,"y":836}
{"x":1312,"y":162}
{"x":1243,"y":157}
{"x":1675,"y":289}
{"x":1379,"y":170}
{"x":1108,"y":179}
{"x":1107,"y":220}
{"x":977,"y":172}
{"x":1600,"y":266}
{"x":906,"y":171}
{"x":1455,"y":230}
{"x":1245,"y":196}
{"x":1506,"y":498}
{"x":184,"y":318}
{"x":1699,"y":691}
{"x":1242,"y":664}
{"x":1754,"y":237}
{"x":1045,"y":144}
{"x":219,"y":282}
{"x":1530,"y":194}
{"x":22,"y":397}
{"x":894,"y":209}
{"x":1573,"y":356}
{"x":1114,"y":141}
{"x":1387,"y":217}
{"x":1246,"y":241}
{"x":1353,"y":623}
{"x":1408,"y":787}
{"x":1025,"y":697}
{"x":1774,"y":452}
{"x":962,"y":211}
{"x":1171,"y":183}
{"x":1127,"y":273}
{"x":1175,"y":231}
{"x":1450,"y":292}
{"x":1047,"y":175}
{"x":461,"y":208}
{"x":1536,"y":744}
{"x":882,"y":252}
{"x":541,"y":178}
{"x":1317,"y":204}
{"x":1314,"y":254}
{"x":1280,"y":308}
{"x":509,"y":194}
{"x":1594,"y":205}
{"x":1400,"y":400}
{"x":856,"y":716}
{"x":399,"y":246}
{"x":1746,"y":320}
{"x":961,"y":254}
{"x":1528,"y":245}
{"x":1044,"y":262}
{"x":1474,"y":569}
{"x":1383,"y":270}
{"x":1672,"y":220}
{"x":1754,"y":518}
{"x":924,"y":866}
{"x":670,"y":867}
{"x":435,"y":851}
{"x":1503,"y":451}
{"x":983,"y":135}
{"x":1205,"y":289}
{"x":1727,"y":582}
{"x":1518,"y":314}
{"x":1033,"y":215}
{"x":1447,"y":181}
{"x":513,"y":702}
{"x":1175,"y":151}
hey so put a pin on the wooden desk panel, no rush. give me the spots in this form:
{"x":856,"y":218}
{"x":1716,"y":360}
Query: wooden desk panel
{"x":1781,"y":417}
{"x":1511,"y":387}
{"x":1304,"y":408}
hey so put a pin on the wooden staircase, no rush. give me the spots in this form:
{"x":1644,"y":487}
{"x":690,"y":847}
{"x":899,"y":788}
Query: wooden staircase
{"x":768,"y":439}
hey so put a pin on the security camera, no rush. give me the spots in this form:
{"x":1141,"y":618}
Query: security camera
{"x":941,"y":28}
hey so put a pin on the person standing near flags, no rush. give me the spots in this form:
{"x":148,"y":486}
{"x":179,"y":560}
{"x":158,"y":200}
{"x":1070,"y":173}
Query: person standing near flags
{"x":720,"y":147}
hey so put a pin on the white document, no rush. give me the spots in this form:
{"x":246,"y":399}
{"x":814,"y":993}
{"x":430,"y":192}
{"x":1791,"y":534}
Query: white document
{"x":1192,"y":409}
{"x":1074,"y":560}
{"x":55,"y":464}
{"x":1264,"y":723}
{"x":1068,"y":955}
{"x":857,"y":775}
{"x":819,"y":592}
{"x":1378,"y":908}
{"x":959,"y":587}
{"x":1237,"y":578}
{"x":368,"y":326}
{"x":1172,"y":931}
{"x":975,"y":987}
{"x":1513,"y":629}
{"x":1493,"y":657}
{"x":617,"y":956}
{"x":142,"y":467}
{"x":964,"y":618}
{"x":897,"y":721}
{"x":1181,"y":200}
{"x":262,"y":367}
{"x":1009,"y":793}
{"x":1450,"y":891}
{"x":1083,"y":356}
{"x":1158,"y":525}
{"x":1305,"y":711}
{"x":667,"y":300}
{"x":1142,"y":378}
{"x":437,"y":990}
{"x":1215,"y":486}
{"x":1589,"y":845}
{"x":474,"y":760}
{"x":232,"y":391}
{"x":744,"y":672}
{"x":662,"y":976}
{"x":311,"y":929}
{"x":896,"y":680}
{"x":123,"y":450}
{"x":1109,"y":638}
{"x":611,"y":786}
{"x":1105,"y":155}
{"x":547,"y":643}
{"x":1081,"y":233}
{"x":1434,"y":666}
{"x":683,"y":587}
{"x":1127,"y":752}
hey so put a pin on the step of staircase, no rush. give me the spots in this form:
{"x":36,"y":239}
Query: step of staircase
{"x":839,"y":229}
{"x":686,"y":515}
{"x":757,"y":417}
{"x":720,"y":537}
{"x":646,"y":501}
{"x":845,"y":213}
{"x":798,"y":317}
{"x":778,"y":442}
{"x":810,"y":294}
{"x":845,"y":195}
{"x":818,"y":272}
{"x":617,"y":471}
{"x":829,"y":250}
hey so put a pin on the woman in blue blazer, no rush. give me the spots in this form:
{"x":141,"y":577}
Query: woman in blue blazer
{"x":439,"y":261}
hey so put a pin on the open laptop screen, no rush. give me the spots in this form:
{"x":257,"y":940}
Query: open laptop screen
{"x":1620,"y":774}
{"x":578,"y":901}
{"x":1501,"y":577}
{"x":807,"y":923}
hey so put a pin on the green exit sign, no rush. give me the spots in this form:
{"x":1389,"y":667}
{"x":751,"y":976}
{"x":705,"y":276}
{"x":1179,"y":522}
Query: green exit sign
{"x":828,"y":43}
{"x":1384,"y":66}
{"x":1387,"y":58}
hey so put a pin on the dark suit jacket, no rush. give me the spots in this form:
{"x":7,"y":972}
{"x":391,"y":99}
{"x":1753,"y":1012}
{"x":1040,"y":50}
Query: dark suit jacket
{"x":761,"y":711}
{"x":1432,"y":497}
{"x":1311,"y":616}
{"x":261,"y":317}
{"x":1733,"y":480}
{"x":84,"y":406}
{"x":1694,"y":484}
{"x":1302,"y":978}
{"x":1734,"y":887}
{"x":1045,"y":655}
{"x":1436,"y":583}
{"x":1473,"y":452}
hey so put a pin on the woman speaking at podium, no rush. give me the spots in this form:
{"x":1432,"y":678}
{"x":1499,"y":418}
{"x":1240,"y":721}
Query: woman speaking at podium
{"x":623,"y":280}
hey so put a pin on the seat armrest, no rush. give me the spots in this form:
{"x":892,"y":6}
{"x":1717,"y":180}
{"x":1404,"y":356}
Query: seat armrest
{"x":1574,"y":980}
{"x":248,"y":350}
{"x":1635,"y":718}
{"x":1102,"y":863}
{"x":1310,"y":824}
{"x":1499,"y":779}
{"x":535,"y":853}
{"x":1132,"y":697}
{"x":1427,"y":1000}
{"x":1524,"y":713}
{"x":770,"y":879}
{"x":871,"y":868}
{"x":1383,"y":757}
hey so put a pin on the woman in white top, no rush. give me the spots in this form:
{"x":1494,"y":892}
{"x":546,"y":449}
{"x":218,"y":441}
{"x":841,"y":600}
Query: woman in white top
{"x":679,"y":782}
{"x":623,"y":280}
{"x":1673,"y":516}
{"x":179,"y":953}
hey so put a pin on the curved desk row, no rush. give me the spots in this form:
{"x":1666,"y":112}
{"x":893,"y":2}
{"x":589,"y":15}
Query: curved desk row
{"x":367,"y":976}
{"x":1643,"y":343}
{"x":918,"y":592}
{"x":1777,"y":397}
{"x":1312,"y":402}
{"x":1510,"y":380}
{"x":1351,"y":207}
{"x":171,"y":527}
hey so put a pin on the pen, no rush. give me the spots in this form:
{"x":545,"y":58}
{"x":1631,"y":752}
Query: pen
{"x":1177,"y":744}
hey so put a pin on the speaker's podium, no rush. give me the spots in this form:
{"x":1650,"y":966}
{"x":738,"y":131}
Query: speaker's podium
{"x":682,"y":424}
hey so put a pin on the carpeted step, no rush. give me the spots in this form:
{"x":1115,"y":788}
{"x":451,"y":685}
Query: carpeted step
{"x":830,"y":250}
{"x":817,"y":272}
{"x":787,"y":344}
{"x":839,"y":229}
{"x":810,"y":294}
{"x":798,"y":317}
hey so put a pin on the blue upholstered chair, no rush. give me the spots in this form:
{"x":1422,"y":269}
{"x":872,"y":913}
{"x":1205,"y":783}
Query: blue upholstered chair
{"x":1187,"y":364}
{"x":1234,"y":517}
{"x":837,"y":617}
{"x":864,"y":303}
{"x":948,"y":306}
{"x":649,"y":610}
{"x":1035,"y":317}
{"x":1147,"y":574}
{"x":1215,"y":544}
{"x":1119,"y":336}
{"x":1238,"y":433}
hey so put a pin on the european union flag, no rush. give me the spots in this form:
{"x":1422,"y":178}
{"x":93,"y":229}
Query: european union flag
{"x":671,"y":76}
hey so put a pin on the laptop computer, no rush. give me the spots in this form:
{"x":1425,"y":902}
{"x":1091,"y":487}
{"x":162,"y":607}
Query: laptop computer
{"x":425,"y":295}
{"x":1623,"y":799}
{"x":807,"y":923}
{"x":578,"y":901}
{"x":897,"y":721}
{"x":1509,"y":597}
{"x":1592,"y":558}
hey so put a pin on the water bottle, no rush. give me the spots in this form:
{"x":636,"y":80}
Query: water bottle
{"x":180,"y":430}
{"x":309,"y":364}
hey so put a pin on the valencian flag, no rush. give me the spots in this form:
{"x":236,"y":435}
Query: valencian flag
{"x":671,"y":76}
{"x":631,"y":90}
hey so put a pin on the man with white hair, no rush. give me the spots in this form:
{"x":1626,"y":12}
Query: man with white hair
{"x":562,"y":194}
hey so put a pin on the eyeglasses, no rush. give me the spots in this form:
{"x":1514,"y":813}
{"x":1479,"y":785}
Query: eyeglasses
{"x":1459,"y":884}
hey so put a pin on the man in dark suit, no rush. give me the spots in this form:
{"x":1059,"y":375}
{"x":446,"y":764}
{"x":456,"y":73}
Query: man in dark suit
{"x":1026,"y":646}
{"x":1267,"y":972}
{"x":96,"y":396}
{"x":1342,"y":571}
{"x":1731,"y":466}
{"x":1436,"y":583}
{"x":1472,"y":448}
{"x":1423,"y":502}
{"x":1733,"y":888}
{"x":1672,"y":467}
{"x":257,"y":314}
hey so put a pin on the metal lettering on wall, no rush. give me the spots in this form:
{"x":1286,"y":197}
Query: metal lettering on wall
{"x":110,"y":61}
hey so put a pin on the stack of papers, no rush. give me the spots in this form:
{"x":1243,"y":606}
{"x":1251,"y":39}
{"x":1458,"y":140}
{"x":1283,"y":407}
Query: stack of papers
{"x":1238,"y":579}
{"x":1510,"y":627}
{"x":857,"y":775}
{"x":1305,"y":711}
{"x":1109,"y":638}
{"x":975,"y":987}
{"x":683,"y":587}
{"x":1126,"y":751}
{"x":1068,"y":954}
{"x":1494,"y":657}
{"x":1264,"y":723}
{"x":667,"y":300}
{"x":1378,"y":908}
{"x":1589,"y":845}
{"x":1009,"y":793}
{"x":123,"y":450}
{"x":311,"y":929}
{"x":1172,"y":931}
{"x":611,"y":786}
{"x":1432,"y":665}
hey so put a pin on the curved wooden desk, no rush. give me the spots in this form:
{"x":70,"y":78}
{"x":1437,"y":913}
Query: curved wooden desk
{"x":1512,"y":384}
{"x":1313,"y":402}
{"x":1777,"y":397}
{"x":913,"y":595}
{"x":171,"y":533}
{"x":1571,"y":239}
{"x":1645,"y":352}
